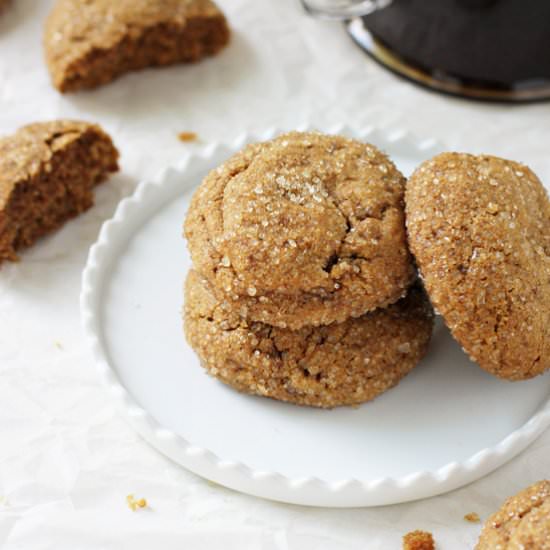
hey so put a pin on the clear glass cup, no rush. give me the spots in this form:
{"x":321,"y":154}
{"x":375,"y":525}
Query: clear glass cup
{"x":343,"y":9}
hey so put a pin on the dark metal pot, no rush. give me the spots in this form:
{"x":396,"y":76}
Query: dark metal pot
{"x":483,"y":49}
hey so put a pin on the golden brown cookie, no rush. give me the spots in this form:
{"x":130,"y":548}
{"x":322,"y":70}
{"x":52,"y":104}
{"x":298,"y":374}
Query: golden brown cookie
{"x":326,"y":366}
{"x":479,"y":228}
{"x":91,"y":42}
{"x":306,"y":229}
{"x":523,"y":522}
{"x":47,"y":174}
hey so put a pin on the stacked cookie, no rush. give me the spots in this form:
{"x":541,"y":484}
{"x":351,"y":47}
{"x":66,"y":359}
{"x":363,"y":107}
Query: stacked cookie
{"x":89,"y":43}
{"x":304,"y":288}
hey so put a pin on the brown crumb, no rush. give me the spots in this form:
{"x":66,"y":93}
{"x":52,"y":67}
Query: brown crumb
{"x":418,"y":540}
{"x":134,"y":504}
{"x":472,"y":517}
{"x":188,"y":136}
{"x":479,"y":228}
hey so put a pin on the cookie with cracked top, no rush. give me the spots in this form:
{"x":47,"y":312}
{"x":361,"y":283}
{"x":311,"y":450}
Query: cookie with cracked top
{"x":523,"y":522}
{"x":479,"y":227}
{"x":305,"y":229}
{"x":327,"y":366}
{"x":89,"y":43}
{"x":47,"y":174}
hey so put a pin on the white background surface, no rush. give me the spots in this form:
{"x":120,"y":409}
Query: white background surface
{"x":67,"y":461}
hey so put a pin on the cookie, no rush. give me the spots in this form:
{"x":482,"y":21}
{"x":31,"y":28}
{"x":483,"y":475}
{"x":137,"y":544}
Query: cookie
{"x":47,"y":174}
{"x":479,"y":228}
{"x":91,"y":42}
{"x":327,"y":366}
{"x":306,"y":229}
{"x":523,"y":522}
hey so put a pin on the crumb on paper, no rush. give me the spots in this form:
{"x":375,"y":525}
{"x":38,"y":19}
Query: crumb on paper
{"x":418,"y":540}
{"x":134,"y":504}
{"x":472,"y":517}
{"x":212,"y":483}
{"x":58,"y":344}
{"x":188,"y":136}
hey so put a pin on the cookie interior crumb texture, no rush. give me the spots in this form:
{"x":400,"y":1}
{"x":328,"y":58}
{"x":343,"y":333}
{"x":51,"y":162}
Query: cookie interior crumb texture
{"x":47,"y":175}
{"x":91,"y":42}
{"x":327,"y":366}
{"x":479,"y":228}
{"x":523,"y":522}
{"x":418,"y":540}
{"x":305,"y":229}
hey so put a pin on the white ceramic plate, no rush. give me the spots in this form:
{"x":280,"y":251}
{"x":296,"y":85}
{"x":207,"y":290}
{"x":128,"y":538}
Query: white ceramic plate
{"x":447,"y":423}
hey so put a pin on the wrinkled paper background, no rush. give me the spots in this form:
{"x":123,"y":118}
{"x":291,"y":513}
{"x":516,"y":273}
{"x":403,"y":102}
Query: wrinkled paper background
{"x":67,"y":460}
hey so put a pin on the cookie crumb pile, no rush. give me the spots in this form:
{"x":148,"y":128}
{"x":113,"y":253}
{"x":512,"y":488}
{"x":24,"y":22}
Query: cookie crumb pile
{"x":135,"y":504}
{"x":418,"y":540}
{"x":523,"y":521}
{"x":47,"y":174}
{"x":302,"y":273}
{"x":89,"y":43}
{"x":187,"y":137}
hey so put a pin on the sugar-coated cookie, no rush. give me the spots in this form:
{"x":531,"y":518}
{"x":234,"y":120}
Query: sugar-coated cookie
{"x":47,"y":174}
{"x":326,"y":366}
{"x":91,"y":42}
{"x":305,"y":229}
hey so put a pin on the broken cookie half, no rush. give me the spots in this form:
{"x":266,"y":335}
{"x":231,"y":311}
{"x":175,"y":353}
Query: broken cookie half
{"x":89,"y":43}
{"x":47,"y":174}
